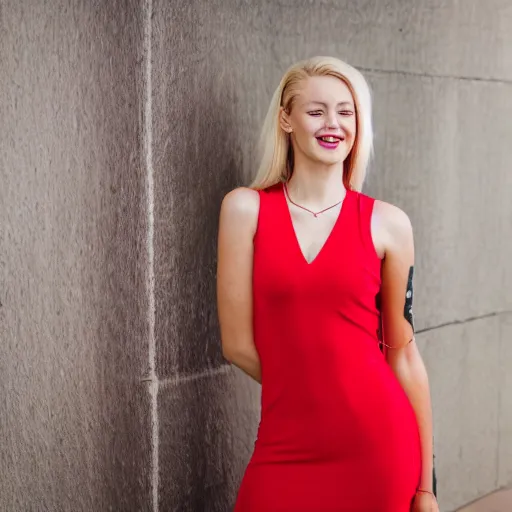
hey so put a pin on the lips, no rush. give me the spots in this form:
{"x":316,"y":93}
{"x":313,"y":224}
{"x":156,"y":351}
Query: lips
{"x":329,"y":138}
{"x":329,"y":141}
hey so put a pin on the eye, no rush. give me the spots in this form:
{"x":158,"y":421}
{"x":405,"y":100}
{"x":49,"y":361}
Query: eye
{"x":346,"y":113}
{"x":315,"y":113}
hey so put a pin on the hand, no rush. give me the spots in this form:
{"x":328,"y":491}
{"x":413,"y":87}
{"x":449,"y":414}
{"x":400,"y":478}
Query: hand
{"x":424,"y":502}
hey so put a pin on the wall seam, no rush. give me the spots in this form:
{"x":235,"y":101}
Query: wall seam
{"x":150,"y":198}
{"x":420,"y":74}
{"x":210,"y":372}
{"x":464,"y":321}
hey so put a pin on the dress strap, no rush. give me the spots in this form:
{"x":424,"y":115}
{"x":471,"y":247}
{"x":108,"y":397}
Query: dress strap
{"x":365,"y":205}
{"x":267,"y":210}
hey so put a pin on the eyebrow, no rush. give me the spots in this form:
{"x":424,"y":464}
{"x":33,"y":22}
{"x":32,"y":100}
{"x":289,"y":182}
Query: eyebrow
{"x":348,"y":103}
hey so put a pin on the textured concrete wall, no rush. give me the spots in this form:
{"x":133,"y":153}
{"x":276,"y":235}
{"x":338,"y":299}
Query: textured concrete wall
{"x":74,"y":415}
{"x":443,"y":101}
{"x":124,"y":123}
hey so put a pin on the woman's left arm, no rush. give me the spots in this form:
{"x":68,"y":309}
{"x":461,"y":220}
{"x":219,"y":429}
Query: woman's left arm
{"x":400,"y":348}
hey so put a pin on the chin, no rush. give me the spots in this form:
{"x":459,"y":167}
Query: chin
{"x":334,"y":159}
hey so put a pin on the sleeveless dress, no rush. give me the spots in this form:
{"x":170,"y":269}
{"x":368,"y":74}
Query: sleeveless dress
{"x":337,"y":431}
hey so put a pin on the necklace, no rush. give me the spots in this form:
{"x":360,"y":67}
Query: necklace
{"x":315,"y":214}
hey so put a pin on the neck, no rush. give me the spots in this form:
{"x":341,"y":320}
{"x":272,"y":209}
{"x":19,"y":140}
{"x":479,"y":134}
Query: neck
{"x":316,"y":185}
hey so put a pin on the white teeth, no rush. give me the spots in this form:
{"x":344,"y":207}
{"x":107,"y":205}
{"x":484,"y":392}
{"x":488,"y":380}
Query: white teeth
{"x":329,"y":139}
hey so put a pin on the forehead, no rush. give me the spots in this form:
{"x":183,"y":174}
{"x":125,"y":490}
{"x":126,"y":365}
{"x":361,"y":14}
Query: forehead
{"x":325,"y":89}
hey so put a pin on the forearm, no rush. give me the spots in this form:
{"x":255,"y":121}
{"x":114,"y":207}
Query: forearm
{"x":247,"y":360}
{"x":412,"y":375}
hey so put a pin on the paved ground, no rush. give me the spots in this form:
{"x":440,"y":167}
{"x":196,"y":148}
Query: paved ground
{"x":500,"y":501}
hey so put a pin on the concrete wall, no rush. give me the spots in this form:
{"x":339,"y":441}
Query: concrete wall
{"x":124,"y":123}
{"x":74,"y":417}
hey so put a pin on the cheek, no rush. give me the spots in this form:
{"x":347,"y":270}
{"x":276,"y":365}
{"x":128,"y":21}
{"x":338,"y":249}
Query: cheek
{"x":350,"y":127}
{"x":308,"y":126}
{"x":350,"y":130}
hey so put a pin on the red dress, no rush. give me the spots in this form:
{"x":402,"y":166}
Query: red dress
{"x":337,"y":431}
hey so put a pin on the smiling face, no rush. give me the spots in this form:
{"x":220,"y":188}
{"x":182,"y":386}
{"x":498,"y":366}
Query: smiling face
{"x":321,"y":120}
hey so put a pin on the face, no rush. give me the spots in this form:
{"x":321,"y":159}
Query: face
{"x":322,"y":120}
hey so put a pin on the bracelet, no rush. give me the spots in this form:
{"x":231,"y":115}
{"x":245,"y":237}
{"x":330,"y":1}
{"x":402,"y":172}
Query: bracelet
{"x":402,"y":346}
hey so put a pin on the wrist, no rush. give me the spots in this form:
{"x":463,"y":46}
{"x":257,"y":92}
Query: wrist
{"x":426,"y":483}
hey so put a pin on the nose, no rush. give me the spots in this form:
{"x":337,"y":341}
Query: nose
{"x":332,"y":121}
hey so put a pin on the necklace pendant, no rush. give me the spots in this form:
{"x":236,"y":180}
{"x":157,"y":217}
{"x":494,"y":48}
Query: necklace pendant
{"x":315,"y":215}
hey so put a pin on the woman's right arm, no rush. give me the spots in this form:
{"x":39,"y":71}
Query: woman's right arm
{"x":237,"y":226}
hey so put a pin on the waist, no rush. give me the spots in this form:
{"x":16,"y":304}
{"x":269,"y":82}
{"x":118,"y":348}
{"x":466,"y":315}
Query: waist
{"x":333,"y":411}
{"x":336,"y":434}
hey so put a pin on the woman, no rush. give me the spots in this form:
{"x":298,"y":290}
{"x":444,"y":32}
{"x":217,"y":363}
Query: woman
{"x":313,"y":278}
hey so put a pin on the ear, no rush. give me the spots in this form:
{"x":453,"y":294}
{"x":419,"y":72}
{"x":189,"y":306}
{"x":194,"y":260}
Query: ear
{"x":284,"y":121}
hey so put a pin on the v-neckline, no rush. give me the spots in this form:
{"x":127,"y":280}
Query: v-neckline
{"x":294,"y":232}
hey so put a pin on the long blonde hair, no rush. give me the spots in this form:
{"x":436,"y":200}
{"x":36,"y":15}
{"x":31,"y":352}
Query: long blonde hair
{"x":276,"y":162}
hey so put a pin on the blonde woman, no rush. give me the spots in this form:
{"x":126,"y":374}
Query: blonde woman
{"x":314,"y":278}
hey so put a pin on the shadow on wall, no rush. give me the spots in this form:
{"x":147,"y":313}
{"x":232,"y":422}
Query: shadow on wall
{"x":198,"y":469}
{"x":105,"y":79}
{"x":200,"y":166}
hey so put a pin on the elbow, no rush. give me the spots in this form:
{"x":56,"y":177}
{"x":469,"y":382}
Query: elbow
{"x":235,"y":352}
{"x":230,"y":351}
{"x":227,"y":353}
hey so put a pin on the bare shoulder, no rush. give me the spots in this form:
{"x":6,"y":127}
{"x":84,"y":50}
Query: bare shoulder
{"x":240,"y":207}
{"x":241,"y":201}
{"x":395,"y":223}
